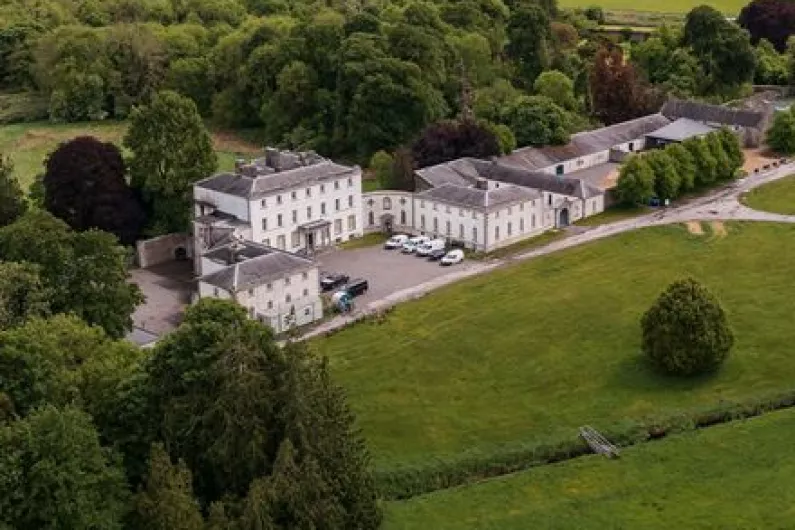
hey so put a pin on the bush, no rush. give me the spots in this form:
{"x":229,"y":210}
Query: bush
{"x":686,"y":331}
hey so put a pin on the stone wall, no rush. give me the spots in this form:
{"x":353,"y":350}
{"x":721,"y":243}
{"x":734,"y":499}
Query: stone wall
{"x":162,"y":249}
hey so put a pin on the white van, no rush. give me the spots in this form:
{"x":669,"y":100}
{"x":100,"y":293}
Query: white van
{"x":411,"y":245}
{"x":426,"y":248}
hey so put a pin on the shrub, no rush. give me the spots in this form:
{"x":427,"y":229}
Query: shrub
{"x":686,"y":331}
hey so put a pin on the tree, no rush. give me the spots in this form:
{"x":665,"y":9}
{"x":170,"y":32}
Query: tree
{"x":772,"y":68}
{"x":730,"y":143}
{"x":62,"y":361}
{"x":635,"y":181}
{"x":450,"y":140}
{"x":557,"y":87}
{"x":85,"y":186}
{"x":12,"y":199}
{"x":725,"y":169}
{"x":771,"y":20}
{"x":56,"y":474}
{"x":85,"y":271}
{"x":504,"y":136}
{"x":667,"y":65}
{"x":685,"y":165}
{"x":381,"y":164}
{"x":686,"y":331}
{"x":171,"y":150}
{"x":537,"y":120}
{"x":706,"y":164}
{"x":167,"y":501}
{"x":781,"y":134}
{"x":22,"y":294}
{"x":616,"y":93}
{"x":667,"y":181}
{"x":402,"y":174}
{"x":490,"y":101}
{"x":230,"y":401}
{"x":528,"y":34}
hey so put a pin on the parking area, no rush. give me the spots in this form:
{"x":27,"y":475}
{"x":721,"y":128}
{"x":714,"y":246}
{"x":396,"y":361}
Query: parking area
{"x":387,"y":271}
{"x":167,"y":288}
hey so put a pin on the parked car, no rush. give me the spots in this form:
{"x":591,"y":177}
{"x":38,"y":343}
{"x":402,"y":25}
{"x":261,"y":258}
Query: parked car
{"x":356,"y":287}
{"x":453,"y":257}
{"x":396,"y":241}
{"x":411,"y":245}
{"x":436,"y":255}
{"x":332,"y":280}
{"x":426,"y":248}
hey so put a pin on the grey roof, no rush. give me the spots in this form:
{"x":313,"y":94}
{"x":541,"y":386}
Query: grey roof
{"x":461,"y":172}
{"x":543,"y":181}
{"x":681,"y":129}
{"x":584,"y":143}
{"x":677,"y":108}
{"x":477,"y":198}
{"x":268,"y":180}
{"x":250,"y":265}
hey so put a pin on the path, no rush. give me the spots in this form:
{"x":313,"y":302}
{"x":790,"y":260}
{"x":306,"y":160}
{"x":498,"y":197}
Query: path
{"x":720,"y":205}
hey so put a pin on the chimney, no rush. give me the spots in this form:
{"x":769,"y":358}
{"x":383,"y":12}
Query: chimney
{"x":239,"y":163}
{"x":482,"y":184}
{"x":272,"y":158}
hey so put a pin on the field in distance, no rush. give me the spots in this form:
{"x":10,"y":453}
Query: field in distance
{"x":730,"y":7}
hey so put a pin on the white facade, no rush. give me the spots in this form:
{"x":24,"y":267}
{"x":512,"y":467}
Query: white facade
{"x":382,"y":207}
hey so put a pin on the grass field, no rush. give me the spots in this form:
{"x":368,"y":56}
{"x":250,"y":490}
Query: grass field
{"x":529,"y":353}
{"x":776,"y":197}
{"x":736,"y":475}
{"x":614,"y":214}
{"x":730,"y":7}
{"x":28,"y":144}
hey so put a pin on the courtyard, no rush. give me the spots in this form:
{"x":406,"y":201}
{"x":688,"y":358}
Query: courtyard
{"x":167,"y":288}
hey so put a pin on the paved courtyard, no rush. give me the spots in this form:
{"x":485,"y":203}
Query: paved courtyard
{"x":387,"y":271}
{"x":167,"y":288}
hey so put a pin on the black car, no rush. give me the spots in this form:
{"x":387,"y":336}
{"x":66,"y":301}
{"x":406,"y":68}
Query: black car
{"x":437,"y":254}
{"x":356,"y":287}
{"x":332,"y":280}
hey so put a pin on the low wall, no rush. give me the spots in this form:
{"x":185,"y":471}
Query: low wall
{"x":163,"y":249}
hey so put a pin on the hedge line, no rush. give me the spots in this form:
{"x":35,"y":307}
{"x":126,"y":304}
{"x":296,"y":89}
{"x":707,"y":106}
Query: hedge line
{"x":406,"y":482}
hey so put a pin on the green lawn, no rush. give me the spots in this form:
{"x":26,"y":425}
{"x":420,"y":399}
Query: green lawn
{"x":529,"y":353}
{"x":367,"y":240}
{"x":731,"y":7}
{"x":611,"y":215}
{"x":522,"y":246}
{"x":776,"y":197}
{"x":28,"y":144}
{"x":737,"y":475}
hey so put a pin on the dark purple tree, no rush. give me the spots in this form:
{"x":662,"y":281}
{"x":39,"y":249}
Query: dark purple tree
{"x":448,"y":140}
{"x":773,"y":20}
{"x":84,"y":185}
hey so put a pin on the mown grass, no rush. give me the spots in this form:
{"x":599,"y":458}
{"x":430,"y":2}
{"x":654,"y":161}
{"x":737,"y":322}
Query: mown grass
{"x":28,"y":144}
{"x":736,"y":475}
{"x":519,"y":247}
{"x":730,"y":7}
{"x":775,"y":197}
{"x":367,"y":240}
{"x":531,"y":352}
{"x":614,"y":214}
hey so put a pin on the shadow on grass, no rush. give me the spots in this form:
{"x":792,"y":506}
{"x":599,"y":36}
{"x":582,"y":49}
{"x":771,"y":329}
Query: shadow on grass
{"x":637,"y":373}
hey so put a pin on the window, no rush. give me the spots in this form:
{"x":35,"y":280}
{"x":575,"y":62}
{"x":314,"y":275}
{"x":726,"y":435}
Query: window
{"x":351,"y":222}
{"x":461,"y":212}
{"x":371,"y":218}
{"x":337,"y":204}
{"x":350,"y":182}
{"x":549,"y":199}
{"x":288,"y":298}
{"x":251,"y":292}
{"x":336,"y":184}
{"x":631,"y":146}
{"x":435,"y":224}
{"x":387,"y":203}
{"x":305,"y":276}
{"x":307,"y":311}
{"x":475,"y":234}
{"x":422,"y":204}
{"x":461,"y":231}
{"x":521,"y":224}
{"x":447,"y":228}
{"x":278,"y":199}
{"x":309,"y":192}
{"x":322,"y":208}
{"x":295,"y":216}
{"x":281,"y":242}
{"x":269,"y":287}
{"x":264,"y":223}
{"x":279,"y":220}
{"x":510,"y":210}
{"x":496,"y":233}
{"x":422,"y":222}
{"x":497,"y":214}
{"x":447,"y":209}
{"x":521,"y":206}
{"x":270,"y":304}
{"x":308,"y":213}
{"x":559,"y":169}
{"x":533,"y":221}
{"x":215,"y":291}
{"x":266,"y":241}
{"x":434,"y":206}
{"x":322,"y":188}
{"x":263,"y":203}
{"x":403,"y":217}
{"x":510,"y":229}
{"x":337,"y":226}
{"x":474,"y":215}
{"x":350,"y":201}
{"x":294,"y":195}
{"x":296,"y":239}
{"x":287,"y":281}
{"x":306,"y":292}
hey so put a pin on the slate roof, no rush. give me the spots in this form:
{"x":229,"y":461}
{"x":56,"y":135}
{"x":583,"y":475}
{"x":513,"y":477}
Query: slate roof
{"x":681,"y":130}
{"x":266,"y":182}
{"x":251,"y":265}
{"x":461,"y":172}
{"x":584,"y":143}
{"x":477,"y":198}
{"x":704,"y":112}
{"x":543,"y":181}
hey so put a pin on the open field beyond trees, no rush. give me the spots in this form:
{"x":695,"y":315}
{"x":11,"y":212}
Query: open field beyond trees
{"x":737,"y":475}
{"x":28,"y":144}
{"x":776,"y":197}
{"x":529,"y":353}
{"x":730,"y":7}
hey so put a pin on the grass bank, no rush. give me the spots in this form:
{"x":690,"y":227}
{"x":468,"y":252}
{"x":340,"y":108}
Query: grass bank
{"x":529,"y":353}
{"x":775,"y":197}
{"x":737,"y":475}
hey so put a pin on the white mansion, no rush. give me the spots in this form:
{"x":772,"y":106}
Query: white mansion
{"x":256,"y":229}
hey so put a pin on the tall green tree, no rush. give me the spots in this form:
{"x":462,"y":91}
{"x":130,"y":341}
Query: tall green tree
{"x":635,"y":181}
{"x":685,"y":165}
{"x":12,"y":199}
{"x":528,"y":34}
{"x":667,"y":182}
{"x":557,"y":87}
{"x":56,"y":474}
{"x":171,"y":149}
{"x":706,"y":164}
{"x":781,"y":134}
{"x":85,"y":271}
{"x":537,"y":120}
{"x":725,"y":168}
{"x":22,"y":294}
